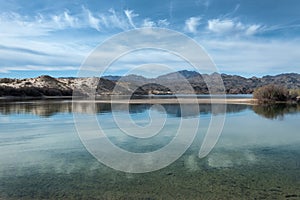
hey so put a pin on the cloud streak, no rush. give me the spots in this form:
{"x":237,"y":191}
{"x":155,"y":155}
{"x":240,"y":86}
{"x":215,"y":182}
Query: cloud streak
{"x":130,"y":15}
{"x":93,"y":21}
{"x":18,"y":54}
{"x":22,"y":50}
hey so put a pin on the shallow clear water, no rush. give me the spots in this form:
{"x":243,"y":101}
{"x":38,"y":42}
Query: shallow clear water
{"x":42,"y":157}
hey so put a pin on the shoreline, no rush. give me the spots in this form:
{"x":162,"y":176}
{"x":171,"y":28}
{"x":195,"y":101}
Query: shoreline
{"x":35,"y":98}
{"x":248,"y":101}
{"x":245,"y":101}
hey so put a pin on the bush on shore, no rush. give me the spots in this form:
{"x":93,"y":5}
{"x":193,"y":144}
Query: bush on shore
{"x":273,"y":93}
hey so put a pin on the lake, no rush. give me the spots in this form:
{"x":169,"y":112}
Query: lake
{"x":42,"y":157}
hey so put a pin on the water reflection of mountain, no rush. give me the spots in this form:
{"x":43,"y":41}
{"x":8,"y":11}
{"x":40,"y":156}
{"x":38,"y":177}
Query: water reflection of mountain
{"x":274,"y":111}
{"x":190,"y":110}
{"x":49,"y":108}
{"x":40,"y":108}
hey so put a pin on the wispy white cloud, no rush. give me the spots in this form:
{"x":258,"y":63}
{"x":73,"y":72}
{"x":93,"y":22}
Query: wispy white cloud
{"x":108,"y":20}
{"x":93,"y":21}
{"x":130,"y":15}
{"x":233,"y":12}
{"x":224,"y":26}
{"x":252,"y":29}
{"x":163,"y":23}
{"x":220,"y":26}
{"x":191,"y":24}
{"x":15,"y":25}
{"x":70,"y":19}
{"x":115,"y":20}
{"x":54,"y":52}
{"x":150,"y":23}
{"x":60,"y":21}
{"x":280,"y":27}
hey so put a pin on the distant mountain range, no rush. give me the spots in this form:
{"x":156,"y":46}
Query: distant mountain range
{"x":183,"y":82}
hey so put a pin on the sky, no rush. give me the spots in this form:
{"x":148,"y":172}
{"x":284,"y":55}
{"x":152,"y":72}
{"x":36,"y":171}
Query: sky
{"x":243,"y":37}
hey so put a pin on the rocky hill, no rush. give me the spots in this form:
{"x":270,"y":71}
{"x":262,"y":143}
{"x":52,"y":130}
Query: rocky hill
{"x":49,"y":86}
{"x":40,"y":86}
{"x":177,"y":81}
{"x":183,"y":82}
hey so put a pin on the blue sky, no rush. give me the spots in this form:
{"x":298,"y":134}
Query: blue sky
{"x":245,"y":37}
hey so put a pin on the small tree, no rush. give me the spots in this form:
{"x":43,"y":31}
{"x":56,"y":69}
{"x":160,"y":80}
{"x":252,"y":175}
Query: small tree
{"x":271,"y":93}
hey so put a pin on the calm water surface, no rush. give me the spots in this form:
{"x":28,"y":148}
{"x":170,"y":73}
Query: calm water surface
{"x":42,"y":157}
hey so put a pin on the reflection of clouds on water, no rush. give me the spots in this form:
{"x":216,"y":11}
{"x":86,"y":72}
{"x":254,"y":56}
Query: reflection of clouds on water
{"x":18,"y":164}
{"x":4,"y":119}
{"x":191,"y":163}
{"x":230,"y":159}
{"x":28,"y":143}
